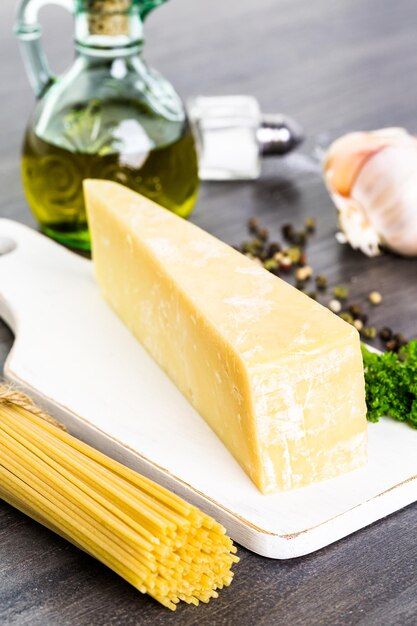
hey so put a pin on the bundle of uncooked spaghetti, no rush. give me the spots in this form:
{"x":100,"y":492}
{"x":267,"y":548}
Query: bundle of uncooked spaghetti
{"x":155,"y":540}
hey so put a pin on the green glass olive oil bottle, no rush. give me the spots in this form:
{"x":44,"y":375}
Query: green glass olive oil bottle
{"x":109,"y":116}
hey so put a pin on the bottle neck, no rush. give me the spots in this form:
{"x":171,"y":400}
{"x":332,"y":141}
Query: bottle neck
{"x":108,"y":34}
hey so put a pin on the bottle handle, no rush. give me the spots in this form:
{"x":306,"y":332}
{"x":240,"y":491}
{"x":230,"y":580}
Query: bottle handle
{"x":146,"y":6}
{"x":29,"y":31}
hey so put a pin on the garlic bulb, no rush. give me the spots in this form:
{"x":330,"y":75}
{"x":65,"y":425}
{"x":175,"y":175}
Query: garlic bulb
{"x":372,"y":178}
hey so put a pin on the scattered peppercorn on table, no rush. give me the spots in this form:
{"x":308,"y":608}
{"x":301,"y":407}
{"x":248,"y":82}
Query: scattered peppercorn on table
{"x":43,"y":580}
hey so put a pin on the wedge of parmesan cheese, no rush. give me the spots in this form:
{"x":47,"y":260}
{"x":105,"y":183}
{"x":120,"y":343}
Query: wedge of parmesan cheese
{"x":276,"y":375}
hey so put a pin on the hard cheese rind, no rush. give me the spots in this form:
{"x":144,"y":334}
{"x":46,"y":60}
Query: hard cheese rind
{"x":277,"y":376}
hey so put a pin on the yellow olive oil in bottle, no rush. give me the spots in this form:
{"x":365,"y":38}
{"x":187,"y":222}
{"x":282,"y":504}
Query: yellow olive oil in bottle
{"x":110,"y":116}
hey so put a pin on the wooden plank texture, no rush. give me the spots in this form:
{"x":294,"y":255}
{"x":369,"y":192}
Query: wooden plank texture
{"x":334,"y":66}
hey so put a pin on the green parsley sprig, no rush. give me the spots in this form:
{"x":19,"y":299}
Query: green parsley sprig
{"x":391,"y":384}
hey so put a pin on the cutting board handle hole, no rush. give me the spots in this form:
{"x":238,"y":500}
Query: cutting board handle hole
{"x":6,"y":245}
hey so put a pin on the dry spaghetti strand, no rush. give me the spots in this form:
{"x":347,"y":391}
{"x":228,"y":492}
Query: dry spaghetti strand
{"x":156,"y":541}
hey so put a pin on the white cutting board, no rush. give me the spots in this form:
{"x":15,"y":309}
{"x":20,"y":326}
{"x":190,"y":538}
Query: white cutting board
{"x":74,"y":356}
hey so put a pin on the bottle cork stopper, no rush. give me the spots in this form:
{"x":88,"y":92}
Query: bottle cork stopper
{"x":108,"y":17}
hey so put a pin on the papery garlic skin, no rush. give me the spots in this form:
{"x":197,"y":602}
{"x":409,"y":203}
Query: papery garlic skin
{"x":372,"y":178}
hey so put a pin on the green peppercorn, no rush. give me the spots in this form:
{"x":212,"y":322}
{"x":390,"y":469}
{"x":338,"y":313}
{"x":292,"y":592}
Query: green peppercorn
{"x":369,"y":332}
{"x":340,"y":292}
{"x":249,"y":247}
{"x":294,"y":252}
{"x":271,"y":264}
{"x":254,"y":247}
{"x":310,"y":224}
{"x":346,"y":317}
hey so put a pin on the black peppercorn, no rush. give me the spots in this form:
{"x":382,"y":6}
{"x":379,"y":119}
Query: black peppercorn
{"x":385,"y":333}
{"x":392,"y":345}
{"x":355,"y":310}
{"x":253,"y":225}
{"x":298,"y":238}
{"x":321,"y":282}
{"x":287,"y":231}
{"x":263,"y":234}
{"x":400,"y":339}
{"x":272,"y":249}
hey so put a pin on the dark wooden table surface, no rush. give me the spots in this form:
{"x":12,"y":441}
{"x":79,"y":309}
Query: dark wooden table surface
{"x":335,"y":66}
